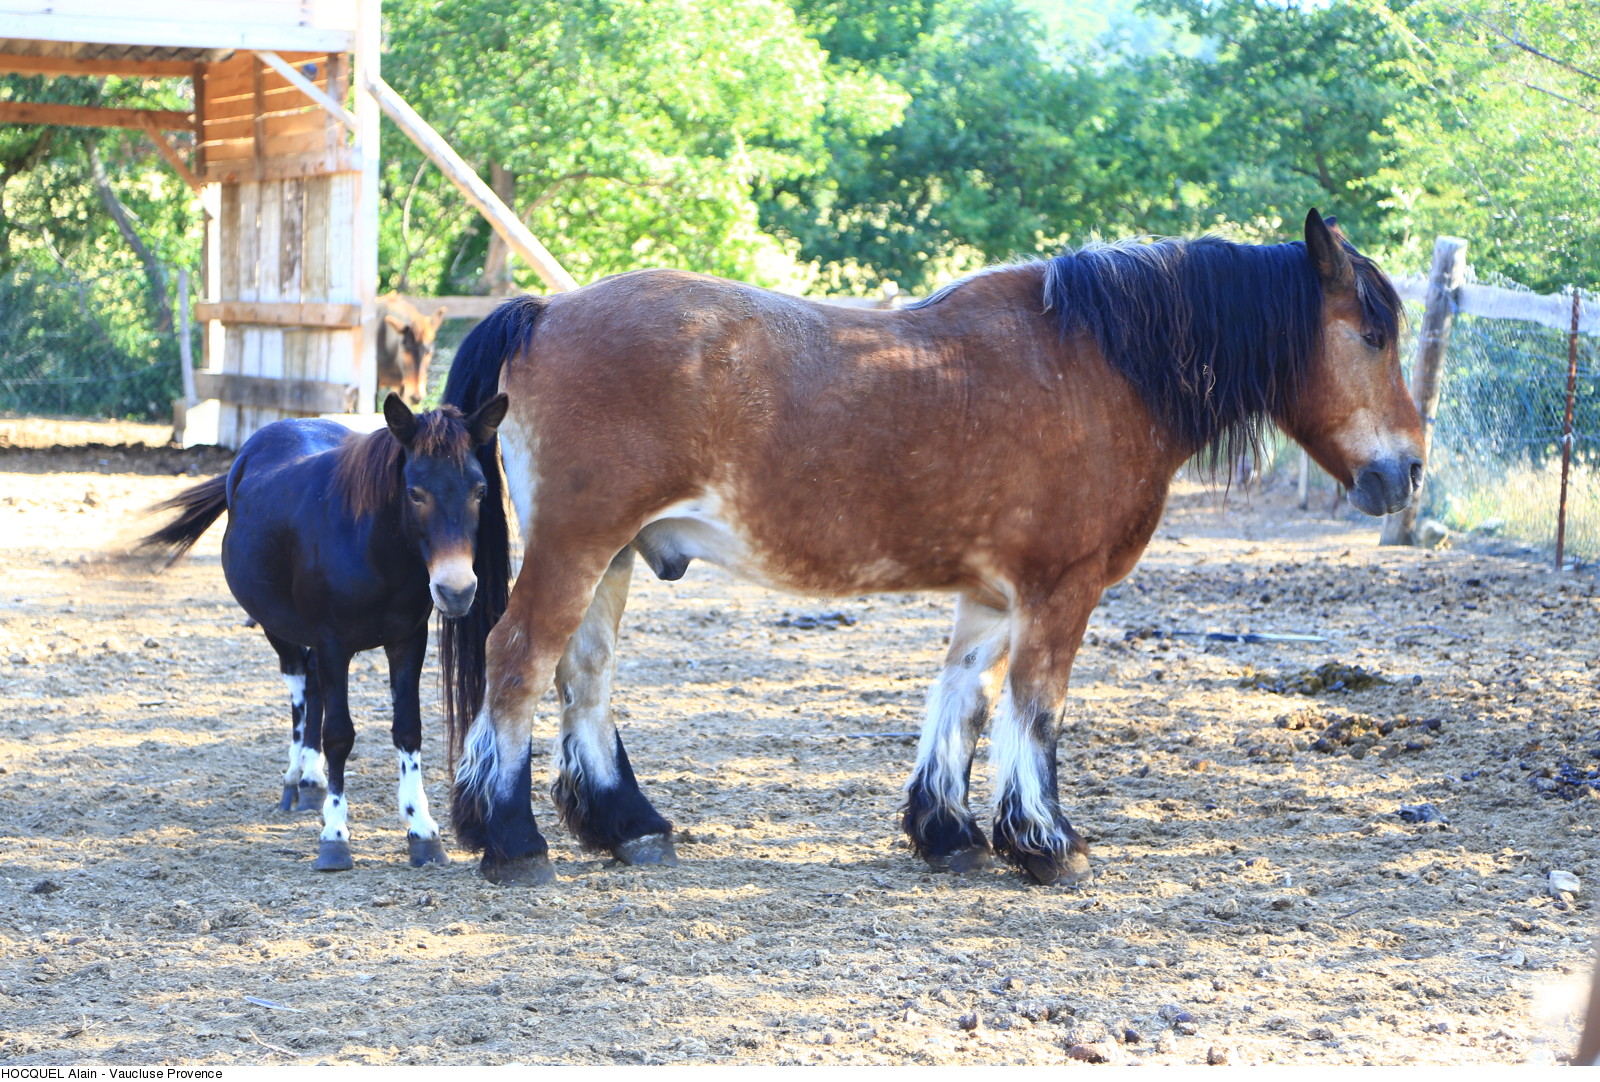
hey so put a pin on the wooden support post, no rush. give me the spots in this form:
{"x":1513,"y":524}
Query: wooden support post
{"x":1566,"y":430}
{"x":185,"y":347}
{"x":479,"y":194}
{"x":1444,"y":280}
{"x":369,"y":50}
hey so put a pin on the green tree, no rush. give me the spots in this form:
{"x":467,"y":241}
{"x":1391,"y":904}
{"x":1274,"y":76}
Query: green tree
{"x":629,"y":133}
{"x":1504,"y":148}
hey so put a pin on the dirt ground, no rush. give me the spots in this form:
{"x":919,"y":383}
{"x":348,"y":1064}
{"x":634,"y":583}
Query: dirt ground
{"x":1258,"y":896}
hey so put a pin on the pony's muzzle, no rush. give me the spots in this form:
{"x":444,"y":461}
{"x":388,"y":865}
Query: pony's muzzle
{"x":1386,"y":485}
{"x":453,"y":586}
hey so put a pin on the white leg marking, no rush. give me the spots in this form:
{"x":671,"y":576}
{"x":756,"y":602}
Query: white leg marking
{"x":297,"y":700}
{"x":412,"y":800}
{"x":585,"y":675}
{"x":944,"y":751}
{"x":486,"y":769}
{"x":313,"y":768}
{"x":335,"y":819}
{"x":1021,"y":771}
{"x":586,"y":750}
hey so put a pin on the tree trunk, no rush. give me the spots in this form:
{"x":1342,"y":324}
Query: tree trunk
{"x":497,"y":264}
{"x":153,"y":270}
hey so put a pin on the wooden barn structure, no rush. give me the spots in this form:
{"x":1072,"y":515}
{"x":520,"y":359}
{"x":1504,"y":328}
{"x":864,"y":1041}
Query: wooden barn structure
{"x":287,"y":96}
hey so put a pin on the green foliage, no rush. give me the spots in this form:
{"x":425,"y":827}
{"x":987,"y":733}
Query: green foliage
{"x":81,"y":329}
{"x":636,"y":129}
{"x":1504,"y":146}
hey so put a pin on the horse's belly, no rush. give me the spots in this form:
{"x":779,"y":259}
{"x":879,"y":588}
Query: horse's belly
{"x":704,"y":529}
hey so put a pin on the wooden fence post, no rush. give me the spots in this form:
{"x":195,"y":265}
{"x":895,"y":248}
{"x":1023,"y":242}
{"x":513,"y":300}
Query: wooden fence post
{"x":1444,"y":279}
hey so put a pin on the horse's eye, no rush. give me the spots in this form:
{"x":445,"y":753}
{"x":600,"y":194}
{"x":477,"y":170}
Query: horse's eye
{"x":480,"y":492}
{"x":416,"y":495}
{"x":1373,"y":339}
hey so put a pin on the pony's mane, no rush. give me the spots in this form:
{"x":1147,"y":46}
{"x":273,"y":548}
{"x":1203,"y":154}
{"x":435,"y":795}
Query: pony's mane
{"x":1214,"y":336}
{"x":367,"y":472}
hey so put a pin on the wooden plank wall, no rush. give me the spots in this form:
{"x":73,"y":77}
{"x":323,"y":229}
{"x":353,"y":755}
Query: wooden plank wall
{"x":285,"y":235}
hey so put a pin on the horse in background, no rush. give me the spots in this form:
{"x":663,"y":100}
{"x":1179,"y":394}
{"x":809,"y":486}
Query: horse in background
{"x":405,"y":345}
{"x":1010,"y":440}
{"x":338,"y":543}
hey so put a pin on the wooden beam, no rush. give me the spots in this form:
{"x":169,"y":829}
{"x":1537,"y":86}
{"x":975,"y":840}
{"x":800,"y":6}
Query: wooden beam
{"x":11,"y":64}
{"x":260,"y":392}
{"x":273,"y":314}
{"x":182,"y":24}
{"x":307,"y":87}
{"x":232,"y":171}
{"x":479,"y":194}
{"x":90,"y":116}
{"x":174,"y":159}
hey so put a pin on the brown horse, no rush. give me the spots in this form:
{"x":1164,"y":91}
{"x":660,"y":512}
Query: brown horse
{"x":1010,"y":440}
{"x":405,"y":347}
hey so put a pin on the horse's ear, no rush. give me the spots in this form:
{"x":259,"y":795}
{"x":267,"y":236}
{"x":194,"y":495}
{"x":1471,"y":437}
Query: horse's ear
{"x":402,"y":422}
{"x":397,"y":323}
{"x":485,"y":420}
{"x":438,"y":317}
{"x":1325,"y":247}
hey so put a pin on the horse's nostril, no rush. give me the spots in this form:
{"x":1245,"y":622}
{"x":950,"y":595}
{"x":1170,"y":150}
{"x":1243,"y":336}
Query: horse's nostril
{"x":1416,"y":476}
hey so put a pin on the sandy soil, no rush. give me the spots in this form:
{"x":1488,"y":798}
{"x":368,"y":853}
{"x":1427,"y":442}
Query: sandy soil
{"x":1258,"y":896}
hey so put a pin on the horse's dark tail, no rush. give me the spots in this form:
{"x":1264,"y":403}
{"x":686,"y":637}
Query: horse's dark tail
{"x":200,"y":506}
{"x":474,"y":379}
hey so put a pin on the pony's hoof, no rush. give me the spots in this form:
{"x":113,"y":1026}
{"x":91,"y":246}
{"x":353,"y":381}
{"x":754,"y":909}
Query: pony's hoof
{"x":650,"y":849}
{"x":286,"y":802}
{"x":309,"y":799}
{"x":969,"y":858}
{"x":533,"y":871}
{"x":333,"y":855}
{"x":972,"y":858}
{"x":1070,"y":870}
{"x":425,"y":851}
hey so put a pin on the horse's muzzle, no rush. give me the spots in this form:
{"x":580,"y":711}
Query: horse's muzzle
{"x":1386,"y":485}
{"x":451,"y":601}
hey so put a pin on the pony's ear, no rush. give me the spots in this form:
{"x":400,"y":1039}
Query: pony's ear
{"x":438,"y":317}
{"x":1325,"y":247}
{"x":402,"y":422}
{"x":486,"y":419}
{"x":397,"y":323}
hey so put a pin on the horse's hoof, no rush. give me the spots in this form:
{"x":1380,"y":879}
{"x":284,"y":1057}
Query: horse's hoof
{"x":972,"y":858}
{"x":650,"y":849}
{"x":425,"y":851}
{"x":333,"y":855}
{"x":533,"y":871}
{"x":309,"y":798}
{"x":1072,"y":869}
{"x":286,"y":802}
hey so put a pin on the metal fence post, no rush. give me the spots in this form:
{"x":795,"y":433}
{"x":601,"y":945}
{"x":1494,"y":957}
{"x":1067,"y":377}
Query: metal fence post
{"x":1566,"y":430}
{"x":1444,"y":279}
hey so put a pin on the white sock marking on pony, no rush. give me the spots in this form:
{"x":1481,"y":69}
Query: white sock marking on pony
{"x":1020,"y":772}
{"x":942,"y":748}
{"x":313,"y":768}
{"x":297,"y":700}
{"x":410,"y":797}
{"x":335,"y":819}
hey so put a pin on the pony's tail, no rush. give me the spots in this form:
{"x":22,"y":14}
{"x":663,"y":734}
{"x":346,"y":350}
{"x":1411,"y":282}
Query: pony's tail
{"x":474,"y":379}
{"x":200,"y":506}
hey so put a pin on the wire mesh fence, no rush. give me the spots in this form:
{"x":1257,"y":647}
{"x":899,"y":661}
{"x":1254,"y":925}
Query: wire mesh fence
{"x":85,"y":347}
{"x":1497,"y":444}
{"x":1495,"y":465}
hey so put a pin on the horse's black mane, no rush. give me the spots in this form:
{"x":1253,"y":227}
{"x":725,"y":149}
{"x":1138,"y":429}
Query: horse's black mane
{"x":367,"y":474}
{"x":1215,"y":336}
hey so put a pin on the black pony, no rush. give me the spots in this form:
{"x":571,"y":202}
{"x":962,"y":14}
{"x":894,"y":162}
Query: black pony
{"x":339,"y":543}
